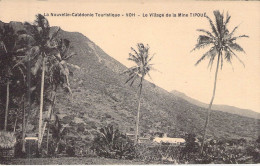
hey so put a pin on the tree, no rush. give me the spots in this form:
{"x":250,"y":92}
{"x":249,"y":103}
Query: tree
{"x":140,"y":70}
{"x":40,"y":52}
{"x":49,"y":55}
{"x":10,"y":50}
{"x":58,"y":75}
{"x":224,"y":45}
{"x":111,"y":143}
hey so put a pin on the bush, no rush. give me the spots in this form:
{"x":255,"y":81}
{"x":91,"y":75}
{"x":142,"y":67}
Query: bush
{"x":189,"y":152}
{"x":110,"y":143}
{"x":158,"y":153}
{"x":70,"y":151}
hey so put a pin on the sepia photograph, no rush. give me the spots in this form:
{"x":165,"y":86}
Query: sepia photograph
{"x":117,"y":82}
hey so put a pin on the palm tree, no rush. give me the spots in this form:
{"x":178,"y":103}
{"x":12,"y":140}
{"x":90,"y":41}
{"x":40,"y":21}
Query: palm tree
{"x":48,"y":55}
{"x":40,"y":52}
{"x":41,"y":36}
{"x":9,"y":54}
{"x":58,"y":75}
{"x":140,"y":70}
{"x":224,"y":45}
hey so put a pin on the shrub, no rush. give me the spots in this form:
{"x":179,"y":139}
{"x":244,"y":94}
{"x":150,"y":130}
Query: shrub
{"x":7,"y":140}
{"x":158,"y":153}
{"x":189,"y":152}
{"x":70,"y":151}
{"x":258,"y":139}
{"x":110,"y":143}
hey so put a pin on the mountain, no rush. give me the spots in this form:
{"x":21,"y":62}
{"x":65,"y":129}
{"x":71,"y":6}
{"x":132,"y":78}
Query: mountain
{"x":100,"y":97}
{"x":224,"y":108}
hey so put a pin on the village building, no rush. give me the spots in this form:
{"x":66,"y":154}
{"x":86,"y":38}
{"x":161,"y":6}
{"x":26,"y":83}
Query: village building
{"x":169,"y":140}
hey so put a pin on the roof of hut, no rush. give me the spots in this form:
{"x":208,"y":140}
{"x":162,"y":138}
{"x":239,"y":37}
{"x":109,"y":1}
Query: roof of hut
{"x":7,"y":140}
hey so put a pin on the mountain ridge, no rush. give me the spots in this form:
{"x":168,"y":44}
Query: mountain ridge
{"x":219,"y":107}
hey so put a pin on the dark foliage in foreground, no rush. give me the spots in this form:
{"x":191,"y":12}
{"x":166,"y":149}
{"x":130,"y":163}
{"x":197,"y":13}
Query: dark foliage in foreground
{"x":234,"y":151}
{"x":111,"y":143}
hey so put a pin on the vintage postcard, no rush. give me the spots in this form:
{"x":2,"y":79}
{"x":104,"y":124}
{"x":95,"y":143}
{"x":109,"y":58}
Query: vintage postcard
{"x":129,"y":82}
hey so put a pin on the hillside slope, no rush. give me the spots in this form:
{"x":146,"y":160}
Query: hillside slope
{"x":101,"y":97}
{"x":224,"y":108}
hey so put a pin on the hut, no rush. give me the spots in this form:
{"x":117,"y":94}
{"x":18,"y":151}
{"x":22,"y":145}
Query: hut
{"x":7,"y":144}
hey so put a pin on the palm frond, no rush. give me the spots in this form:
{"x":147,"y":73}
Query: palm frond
{"x":205,"y":31}
{"x":228,"y":58}
{"x":211,"y":61}
{"x":142,"y":60}
{"x":212,"y":26}
{"x":68,"y":56}
{"x":241,"y":36}
{"x":131,"y":70}
{"x":236,"y":47}
{"x":233,"y":31}
{"x":41,"y":21}
{"x":236,"y":56}
{"x":210,"y":53}
{"x":132,"y":56}
{"x":142,"y":52}
{"x":23,"y":75}
{"x":133,"y":79}
{"x":53,"y":35}
{"x":197,"y":47}
{"x":150,"y":58}
{"x":202,"y":42}
{"x":154,"y":69}
{"x":30,"y":54}
{"x":136,"y":53}
{"x":227,"y":18}
{"x":131,"y":76}
{"x":219,"y":21}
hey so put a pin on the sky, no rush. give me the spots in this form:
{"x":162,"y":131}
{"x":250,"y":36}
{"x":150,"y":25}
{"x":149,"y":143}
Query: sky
{"x":171,"y":39}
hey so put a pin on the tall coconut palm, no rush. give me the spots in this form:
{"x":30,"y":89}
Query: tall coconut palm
{"x":48,"y":56}
{"x":58,"y":74}
{"x":223,"y":45}
{"x":142,"y":67}
{"x":39,"y":52}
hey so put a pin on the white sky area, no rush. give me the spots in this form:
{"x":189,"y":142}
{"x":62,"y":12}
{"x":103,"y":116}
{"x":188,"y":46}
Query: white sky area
{"x":171,"y":39}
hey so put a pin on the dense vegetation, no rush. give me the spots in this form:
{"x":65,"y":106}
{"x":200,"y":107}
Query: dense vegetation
{"x":79,"y":123}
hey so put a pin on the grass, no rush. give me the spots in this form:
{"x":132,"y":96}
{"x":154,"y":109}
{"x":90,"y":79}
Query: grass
{"x":70,"y":161}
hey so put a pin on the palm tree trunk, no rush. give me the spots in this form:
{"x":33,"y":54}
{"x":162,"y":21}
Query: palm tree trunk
{"x":23,"y":128}
{"x":15,"y":122}
{"x":49,"y":112}
{"x":48,"y":130}
{"x":41,"y":104}
{"x":48,"y":134}
{"x":210,"y":105}
{"x":138,"y":113}
{"x":7,"y":103}
{"x":57,"y":147}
